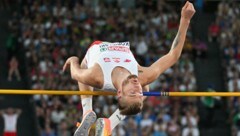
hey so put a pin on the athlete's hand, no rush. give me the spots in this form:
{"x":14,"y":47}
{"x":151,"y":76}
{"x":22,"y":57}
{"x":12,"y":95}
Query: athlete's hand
{"x":69,"y":61}
{"x":188,"y":11}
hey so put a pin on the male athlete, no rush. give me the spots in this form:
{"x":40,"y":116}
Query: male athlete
{"x":112,"y":66}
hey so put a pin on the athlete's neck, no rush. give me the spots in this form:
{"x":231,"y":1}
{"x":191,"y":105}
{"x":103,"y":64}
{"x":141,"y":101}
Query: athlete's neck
{"x":119,"y":74}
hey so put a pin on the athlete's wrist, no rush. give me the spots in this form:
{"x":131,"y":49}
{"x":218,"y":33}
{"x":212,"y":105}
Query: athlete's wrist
{"x":185,"y":20}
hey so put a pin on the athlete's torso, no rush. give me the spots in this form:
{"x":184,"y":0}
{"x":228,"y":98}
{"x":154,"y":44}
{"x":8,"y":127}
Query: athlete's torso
{"x":109,"y":56}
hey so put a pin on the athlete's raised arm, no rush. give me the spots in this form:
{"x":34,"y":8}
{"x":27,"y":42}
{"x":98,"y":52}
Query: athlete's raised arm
{"x":151,"y":73}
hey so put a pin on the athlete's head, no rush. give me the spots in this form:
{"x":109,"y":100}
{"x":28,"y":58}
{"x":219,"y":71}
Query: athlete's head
{"x":130,"y":98}
{"x":10,"y":111}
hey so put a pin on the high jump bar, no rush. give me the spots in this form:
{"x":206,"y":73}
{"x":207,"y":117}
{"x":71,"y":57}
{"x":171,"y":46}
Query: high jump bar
{"x":105,"y":93}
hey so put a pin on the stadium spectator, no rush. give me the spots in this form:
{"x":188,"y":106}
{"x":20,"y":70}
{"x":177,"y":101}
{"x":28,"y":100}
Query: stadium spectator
{"x":10,"y":117}
{"x":213,"y":32}
{"x":13,"y":69}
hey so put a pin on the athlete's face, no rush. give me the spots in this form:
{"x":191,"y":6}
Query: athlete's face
{"x":10,"y":110}
{"x":131,"y":89}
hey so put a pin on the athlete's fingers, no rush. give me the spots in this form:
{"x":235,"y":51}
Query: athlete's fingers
{"x":186,"y":5}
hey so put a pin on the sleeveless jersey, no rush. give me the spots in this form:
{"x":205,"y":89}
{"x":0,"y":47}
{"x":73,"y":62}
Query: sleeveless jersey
{"x":109,"y":56}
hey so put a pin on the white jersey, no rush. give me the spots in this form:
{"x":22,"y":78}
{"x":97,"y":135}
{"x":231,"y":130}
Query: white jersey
{"x":110,"y":55}
{"x":10,"y":122}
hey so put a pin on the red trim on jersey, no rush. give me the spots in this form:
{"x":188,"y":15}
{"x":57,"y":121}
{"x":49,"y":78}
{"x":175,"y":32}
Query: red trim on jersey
{"x":94,"y":43}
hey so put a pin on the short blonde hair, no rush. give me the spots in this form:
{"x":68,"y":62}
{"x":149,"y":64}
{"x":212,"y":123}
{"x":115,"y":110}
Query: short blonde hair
{"x":130,"y":109}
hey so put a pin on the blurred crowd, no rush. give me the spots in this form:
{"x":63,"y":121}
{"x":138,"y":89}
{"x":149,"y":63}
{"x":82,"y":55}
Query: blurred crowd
{"x":51,"y":31}
{"x":226,"y":32}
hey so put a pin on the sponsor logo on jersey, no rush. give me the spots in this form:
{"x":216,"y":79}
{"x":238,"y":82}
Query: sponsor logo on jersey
{"x":106,"y":59}
{"x":118,"y":46}
{"x":127,"y":60}
{"x":103,"y":49}
{"x":117,"y":60}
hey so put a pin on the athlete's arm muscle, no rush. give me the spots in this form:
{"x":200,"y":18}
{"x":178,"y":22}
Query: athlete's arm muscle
{"x":84,"y":76}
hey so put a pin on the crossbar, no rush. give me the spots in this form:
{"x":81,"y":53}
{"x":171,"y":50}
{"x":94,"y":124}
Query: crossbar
{"x":54,"y":92}
{"x":105,"y":93}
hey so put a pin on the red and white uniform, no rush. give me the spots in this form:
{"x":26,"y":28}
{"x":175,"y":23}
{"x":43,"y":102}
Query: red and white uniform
{"x":110,"y":55}
{"x":10,"y":124}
